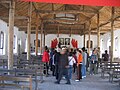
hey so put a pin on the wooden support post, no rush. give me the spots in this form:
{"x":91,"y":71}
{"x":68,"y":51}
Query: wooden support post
{"x":98,"y":31}
{"x":89,"y":39}
{"x":44,"y":39}
{"x":29,"y":31}
{"x":37,"y":27}
{"x":41,"y":44}
{"x":112,"y":34}
{"x":70,"y":32}
{"x":11,"y":34}
{"x":58,"y":31}
{"x":84,"y":36}
{"x":84,"y":40}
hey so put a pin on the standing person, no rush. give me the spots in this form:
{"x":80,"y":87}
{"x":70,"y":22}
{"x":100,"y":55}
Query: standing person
{"x":87,"y":65}
{"x":84,"y":62}
{"x":75,"y":64}
{"x":63,"y":66}
{"x":93,"y":63}
{"x":105,"y":56}
{"x":56,"y":59}
{"x":71,"y":63}
{"x":45,"y":60}
{"x":98,"y":58}
{"x":53,"y":63}
{"x":79,"y":65}
{"x":51,"y":58}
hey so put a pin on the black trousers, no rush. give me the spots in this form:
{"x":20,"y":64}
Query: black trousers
{"x":79,"y":71}
{"x":74,"y":67}
{"x":56,"y":72}
{"x":46,"y":68}
{"x":53,"y":70}
{"x":63,"y":72}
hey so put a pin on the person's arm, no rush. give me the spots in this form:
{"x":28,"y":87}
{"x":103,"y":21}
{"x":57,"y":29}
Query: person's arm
{"x":74,"y":60}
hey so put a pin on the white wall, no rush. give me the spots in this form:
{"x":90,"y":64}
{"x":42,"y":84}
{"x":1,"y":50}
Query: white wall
{"x":106,"y":37}
{"x":50,"y":37}
{"x":20,"y":35}
{"x":79,"y":38}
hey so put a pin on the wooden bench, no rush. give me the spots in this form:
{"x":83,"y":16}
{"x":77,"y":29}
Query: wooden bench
{"x":39,"y":69}
{"x":21,"y":73}
{"x":115,"y":74}
{"x":16,"y":79}
{"x":3,"y":63}
{"x":106,"y":67}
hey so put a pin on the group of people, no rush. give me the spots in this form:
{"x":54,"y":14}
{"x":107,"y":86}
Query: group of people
{"x":64,"y":62}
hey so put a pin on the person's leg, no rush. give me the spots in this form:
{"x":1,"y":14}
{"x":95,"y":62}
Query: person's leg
{"x":44,"y":71}
{"x":56,"y":72}
{"x":66,"y":75}
{"x":83,"y":70}
{"x":70,"y":72}
{"x":95,"y":68}
{"x":87,"y":66}
{"x":80,"y":72}
{"x":53,"y":70}
{"x":74,"y":67}
{"x":60,"y":76}
{"x":50,"y":64}
{"x":91,"y":68}
{"x":47,"y":68}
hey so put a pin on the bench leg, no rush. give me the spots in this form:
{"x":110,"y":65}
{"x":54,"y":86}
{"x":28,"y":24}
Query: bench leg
{"x":22,"y":87}
{"x":102,"y":74}
{"x":36,"y":83}
{"x":30,"y":83}
{"x":119,"y":82}
{"x":111,"y":78}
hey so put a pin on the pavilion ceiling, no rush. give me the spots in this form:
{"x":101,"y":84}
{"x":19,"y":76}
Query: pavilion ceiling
{"x":75,"y":21}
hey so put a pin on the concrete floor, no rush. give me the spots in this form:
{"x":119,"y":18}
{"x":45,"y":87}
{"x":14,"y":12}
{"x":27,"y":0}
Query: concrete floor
{"x":89,"y":83}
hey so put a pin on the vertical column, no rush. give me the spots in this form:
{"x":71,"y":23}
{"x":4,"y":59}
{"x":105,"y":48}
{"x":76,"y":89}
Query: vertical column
{"x":41,"y":37}
{"x":89,"y":39}
{"x":29,"y":30}
{"x":11,"y":34}
{"x":98,"y":32}
{"x":44,"y":39}
{"x":84,"y":40}
{"x":58,"y":32}
{"x":37,"y":27}
{"x":84,"y":36}
{"x":112,"y":34}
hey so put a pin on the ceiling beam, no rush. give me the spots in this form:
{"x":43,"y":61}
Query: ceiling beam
{"x":16,"y":17}
{"x":65,"y":21}
{"x":65,"y":11}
